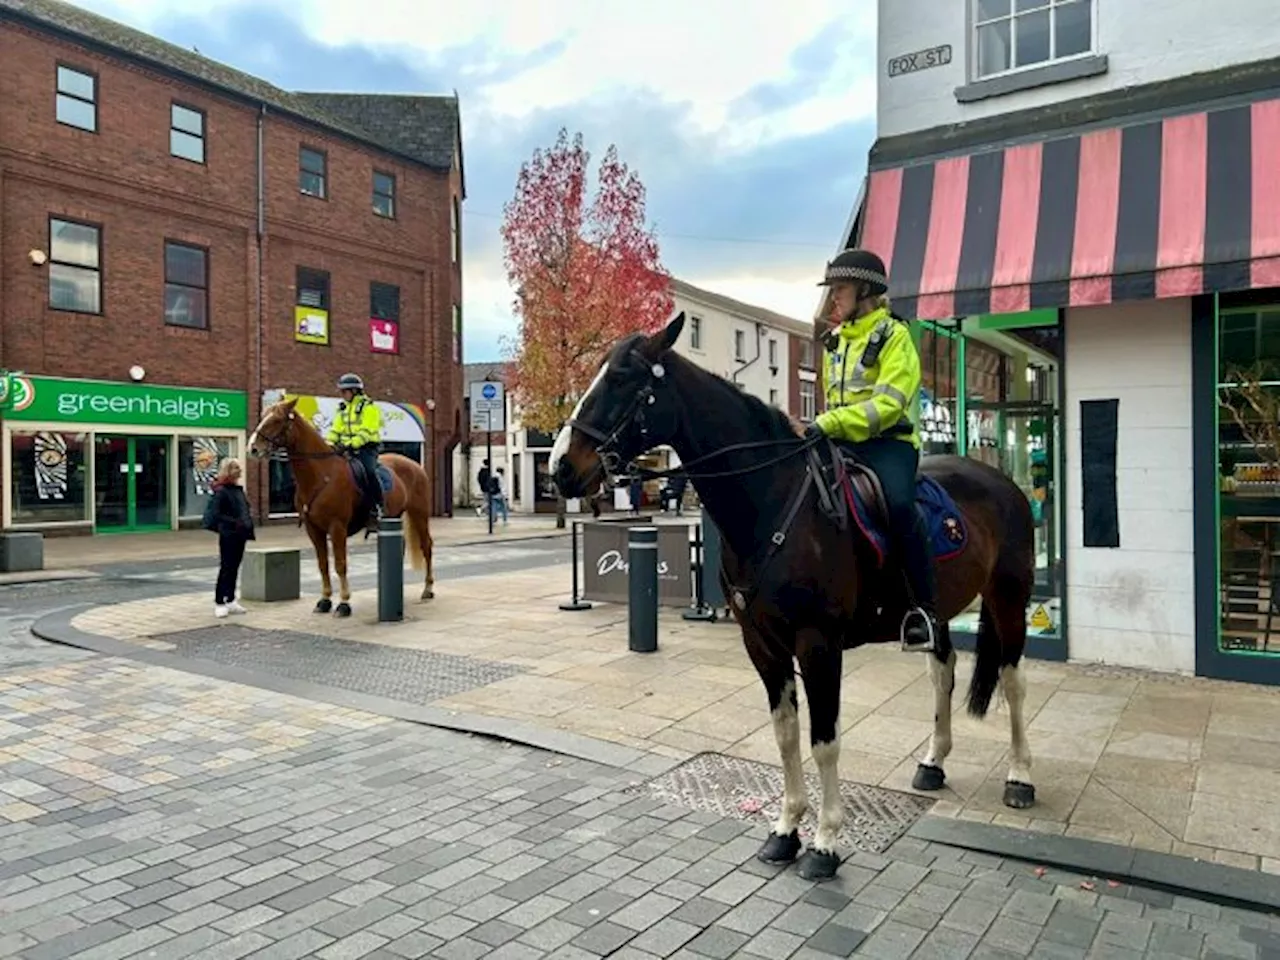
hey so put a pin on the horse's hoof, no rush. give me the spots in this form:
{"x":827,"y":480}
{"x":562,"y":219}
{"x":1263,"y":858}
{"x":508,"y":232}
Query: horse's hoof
{"x":779,"y":849}
{"x":818,"y":866}
{"x":428,"y":594}
{"x":324,"y":606}
{"x":1019,"y":795}
{"x":928,"y":777}
{"x":344,"y":610}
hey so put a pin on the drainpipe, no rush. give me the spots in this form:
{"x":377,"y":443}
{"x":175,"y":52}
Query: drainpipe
{"x":263,"y":492}
{"x":759,"y":334}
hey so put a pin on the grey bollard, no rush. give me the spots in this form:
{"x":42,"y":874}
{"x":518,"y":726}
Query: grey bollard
{"x":712,"y":592}
{"x":390,"y":570}
{"x":642,"y":589}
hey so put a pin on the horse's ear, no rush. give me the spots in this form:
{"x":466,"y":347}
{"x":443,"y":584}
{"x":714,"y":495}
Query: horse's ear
{"x":290,"y":404}
{"x":662,"y":341}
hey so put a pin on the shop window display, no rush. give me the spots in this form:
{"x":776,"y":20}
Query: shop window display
{"x":49,"y":478}
{"x":1249,"y":478}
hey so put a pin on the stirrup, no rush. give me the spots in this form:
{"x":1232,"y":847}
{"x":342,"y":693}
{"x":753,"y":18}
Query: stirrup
{"x":930,"y":643}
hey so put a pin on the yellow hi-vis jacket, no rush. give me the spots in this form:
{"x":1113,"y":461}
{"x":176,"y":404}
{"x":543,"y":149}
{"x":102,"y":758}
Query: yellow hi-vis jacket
{"x":864,"y":402}
{"x":356,"y":424}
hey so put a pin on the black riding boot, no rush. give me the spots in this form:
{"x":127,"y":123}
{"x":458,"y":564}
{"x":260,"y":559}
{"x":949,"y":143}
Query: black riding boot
{"x":920,"y":625}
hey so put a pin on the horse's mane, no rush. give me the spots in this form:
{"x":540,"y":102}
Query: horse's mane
{"x":769,"y":422}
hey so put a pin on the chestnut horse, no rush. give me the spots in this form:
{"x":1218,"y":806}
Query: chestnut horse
{"x":329,"y":499}
{"x":802,"y":588}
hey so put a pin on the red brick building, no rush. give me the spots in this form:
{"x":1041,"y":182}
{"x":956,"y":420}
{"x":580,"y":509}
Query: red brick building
{"x":171,"y":228}
{"x":804,"y":400}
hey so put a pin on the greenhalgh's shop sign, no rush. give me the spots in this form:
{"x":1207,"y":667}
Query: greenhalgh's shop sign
{"x":49,"y":400}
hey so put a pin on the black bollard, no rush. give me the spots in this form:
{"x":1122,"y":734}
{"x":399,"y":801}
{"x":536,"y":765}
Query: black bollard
{"x":642,"y":587}
{"x":576,"y":603}
{"x":390,"y":570}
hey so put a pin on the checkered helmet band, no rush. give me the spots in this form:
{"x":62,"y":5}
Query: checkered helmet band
{"x":840,"y":274}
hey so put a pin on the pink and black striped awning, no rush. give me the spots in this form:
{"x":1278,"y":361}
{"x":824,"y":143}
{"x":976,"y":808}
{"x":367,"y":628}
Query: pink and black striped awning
{"x":1163,"y":208}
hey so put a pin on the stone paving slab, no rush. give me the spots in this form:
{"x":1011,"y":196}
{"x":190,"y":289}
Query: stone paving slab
{"x":156,"y":814}
{"x":84,"y":551}
{"x":1160,"y":762}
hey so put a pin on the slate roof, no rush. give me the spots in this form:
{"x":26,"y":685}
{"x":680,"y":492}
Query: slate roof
{"x":497,"y":370}
{"x":418,"y":128}
{"x":680,"y":288}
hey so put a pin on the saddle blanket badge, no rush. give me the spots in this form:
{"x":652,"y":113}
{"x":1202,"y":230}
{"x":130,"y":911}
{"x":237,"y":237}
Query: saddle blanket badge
{"x":952,"y":529}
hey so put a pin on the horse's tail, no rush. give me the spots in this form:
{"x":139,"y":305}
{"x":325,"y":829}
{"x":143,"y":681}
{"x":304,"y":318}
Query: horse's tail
{"x":986,"y":669}
{"x":412,"y":542}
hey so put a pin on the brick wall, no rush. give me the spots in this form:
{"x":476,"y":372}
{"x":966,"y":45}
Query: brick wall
{"x":124,"y":179}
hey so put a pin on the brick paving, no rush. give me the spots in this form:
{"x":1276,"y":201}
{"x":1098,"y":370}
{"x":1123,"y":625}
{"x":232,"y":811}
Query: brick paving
{"x":146,"y":812}
{"x":1157,"y":761}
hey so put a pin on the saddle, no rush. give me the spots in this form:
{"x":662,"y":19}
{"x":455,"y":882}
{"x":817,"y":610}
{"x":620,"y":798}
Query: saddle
{"x":849,"y":491}
{"x":360,"y":516}
{"x":840,"y":476}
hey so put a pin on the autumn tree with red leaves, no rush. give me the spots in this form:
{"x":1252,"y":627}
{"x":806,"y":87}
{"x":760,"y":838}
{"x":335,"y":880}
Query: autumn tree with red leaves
{"x":586,"y":273}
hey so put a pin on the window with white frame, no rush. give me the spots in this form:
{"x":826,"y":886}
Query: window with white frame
{"x":1012,"y":35}
{"x":773,"y":398}
{"x":739,"y":346}
{"x":695,"y":333}
{"x":773,"y":353}
{"x":808,"y":400}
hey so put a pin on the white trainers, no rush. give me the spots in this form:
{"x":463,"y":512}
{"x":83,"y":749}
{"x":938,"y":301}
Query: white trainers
{"x":235,"y":609}
{"x":220,"y":611}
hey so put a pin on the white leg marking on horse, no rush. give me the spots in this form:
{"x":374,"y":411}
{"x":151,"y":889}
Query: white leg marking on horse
{"x":786,"y":728}
{"x":1014,"y":685}
{"x":943,"y":676}
{"x":561,"y":446}
{"x":826,"y":756}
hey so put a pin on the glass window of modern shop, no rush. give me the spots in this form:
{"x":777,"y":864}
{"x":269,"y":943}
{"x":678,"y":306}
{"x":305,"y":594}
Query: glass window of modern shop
{"x":991,"y":389}
{"x":1248,"y":461}
{"x":116,"y":482}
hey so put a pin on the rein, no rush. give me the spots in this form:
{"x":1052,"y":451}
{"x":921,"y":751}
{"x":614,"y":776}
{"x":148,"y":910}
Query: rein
{"x":611,"y":462}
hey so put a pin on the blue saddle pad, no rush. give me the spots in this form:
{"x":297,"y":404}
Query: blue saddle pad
{"x":385,"y":478}
{"x":944,"y":526}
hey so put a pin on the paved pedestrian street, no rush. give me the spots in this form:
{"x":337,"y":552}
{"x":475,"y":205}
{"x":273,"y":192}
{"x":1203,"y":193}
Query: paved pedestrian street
{"x":152,"y":813}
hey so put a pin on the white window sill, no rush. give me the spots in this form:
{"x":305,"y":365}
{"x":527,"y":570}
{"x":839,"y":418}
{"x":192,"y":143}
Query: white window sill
{"x":1060,"y":71}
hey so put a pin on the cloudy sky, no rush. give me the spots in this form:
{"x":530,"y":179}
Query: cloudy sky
{"x":750,"y":130}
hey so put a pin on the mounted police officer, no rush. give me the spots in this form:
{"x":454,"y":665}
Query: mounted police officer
{"x":357,"y":432}
{"x":871,"y":375}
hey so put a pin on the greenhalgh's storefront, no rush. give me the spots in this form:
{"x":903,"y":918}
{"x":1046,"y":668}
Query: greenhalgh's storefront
{"x":97,"y":456}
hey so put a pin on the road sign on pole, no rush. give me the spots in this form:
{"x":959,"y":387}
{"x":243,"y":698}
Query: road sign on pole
{"x":488,"y":406}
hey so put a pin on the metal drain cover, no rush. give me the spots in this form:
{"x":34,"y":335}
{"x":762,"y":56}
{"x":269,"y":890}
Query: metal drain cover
{"x":748,"y":790}
{"x":410,"y":676}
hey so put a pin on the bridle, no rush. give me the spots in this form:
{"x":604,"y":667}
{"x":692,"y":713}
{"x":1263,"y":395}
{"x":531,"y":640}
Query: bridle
{"x":280,"y":442}
{"x":611,"y":460}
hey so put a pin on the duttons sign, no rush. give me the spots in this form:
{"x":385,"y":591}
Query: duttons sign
{"x":606,"y":568}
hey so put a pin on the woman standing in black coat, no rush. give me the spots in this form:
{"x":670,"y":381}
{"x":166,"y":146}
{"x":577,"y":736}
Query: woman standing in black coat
{"x":235,"y":530}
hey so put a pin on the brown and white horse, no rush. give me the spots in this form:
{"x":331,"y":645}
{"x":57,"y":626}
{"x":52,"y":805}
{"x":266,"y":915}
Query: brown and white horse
{"x":825,"y":590}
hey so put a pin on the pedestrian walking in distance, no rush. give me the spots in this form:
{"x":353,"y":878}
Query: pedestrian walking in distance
{"x":234,"y":524}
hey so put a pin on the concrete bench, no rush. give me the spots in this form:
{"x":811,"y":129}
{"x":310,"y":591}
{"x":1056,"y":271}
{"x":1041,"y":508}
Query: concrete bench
{"x":21,"y":552}
{"x":270,"y":574}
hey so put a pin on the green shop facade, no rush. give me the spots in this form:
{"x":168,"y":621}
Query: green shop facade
{"x":93,"y":456}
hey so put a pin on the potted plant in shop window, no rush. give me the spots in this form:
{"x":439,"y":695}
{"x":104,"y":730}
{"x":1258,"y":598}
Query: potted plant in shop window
{"x":1251,"y":398}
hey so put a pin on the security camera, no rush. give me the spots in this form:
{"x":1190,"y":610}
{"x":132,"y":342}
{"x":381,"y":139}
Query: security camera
{"x":37,"y":258}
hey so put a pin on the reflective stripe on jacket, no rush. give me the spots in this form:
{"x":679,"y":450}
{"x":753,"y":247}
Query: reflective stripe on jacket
{"x":865,"y":402}
{"x":356,"y":424}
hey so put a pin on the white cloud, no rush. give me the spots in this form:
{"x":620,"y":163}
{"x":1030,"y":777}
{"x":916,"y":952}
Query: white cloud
{"x":703,"y":54}
{"x":700,"y":55}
